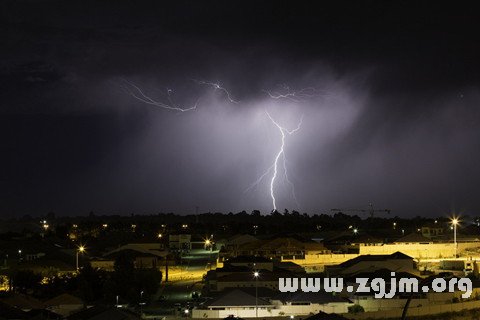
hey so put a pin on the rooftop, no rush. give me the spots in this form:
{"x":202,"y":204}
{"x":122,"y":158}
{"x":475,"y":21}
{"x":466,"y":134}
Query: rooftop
{"x":237,"y":298}
{"x":378,"y":257}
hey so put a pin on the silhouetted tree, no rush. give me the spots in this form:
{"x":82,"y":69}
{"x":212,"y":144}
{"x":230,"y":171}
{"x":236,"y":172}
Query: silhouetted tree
{"x":24,"y":280}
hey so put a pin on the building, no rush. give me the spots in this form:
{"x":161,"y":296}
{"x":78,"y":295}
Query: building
{"x":64,"y":304}
{"x":305,"y":303}
{"x":281,"y":248}
{"x":145,"y":255}
{"x":397,"y":262}
{"x":432,"y":231}
{"x":180,"y":242}
{"x":238,"y":272}
{"x":235,"y":303}
{"x":367,"y":299}
{"x":241,"y":303}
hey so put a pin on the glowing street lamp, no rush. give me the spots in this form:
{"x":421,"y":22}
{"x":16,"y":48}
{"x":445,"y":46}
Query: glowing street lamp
{"x":355,"y":231}
{"x":256,"y":275}
{"x":455,"y":222}
{"x":81,"y":249}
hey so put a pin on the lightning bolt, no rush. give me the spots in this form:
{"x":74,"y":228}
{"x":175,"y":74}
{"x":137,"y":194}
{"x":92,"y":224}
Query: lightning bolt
{"x":216,"y":86}
{"x":134,"y":91}
{"x":279,"y":157}
{"x":280,"y":160}
{"x":301,"y":95}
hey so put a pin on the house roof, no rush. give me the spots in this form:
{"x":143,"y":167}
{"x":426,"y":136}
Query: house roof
{"x":236,"y":298}
{"x":138,"y":251}
{"x":320,"y":297}
{"x":413,"y":237}
{"x":418,"y":237}
{"x":282,"y":244}
{"x":377,"y":257}
{"x":63,"y":299}
{"x":248,"y":259}
{"x":239,"y":239}
{"x":9,"y":312}
{"x":350,"y":237}
{"x":326,"y":316}
{"x":104,"y":313}
{"x":23,"y":301}
{"x":41,"y":314}
{"x":265,"y":275}
{"x":381,"y":273}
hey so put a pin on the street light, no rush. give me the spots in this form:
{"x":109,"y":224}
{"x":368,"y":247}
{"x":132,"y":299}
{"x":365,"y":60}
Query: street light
{"x":141,"y":302}
{"x":256,"y":275}
{"x":208,"y":242}
{"x":80,"y":249}
{"x":455,"y":222}
{"x":355,"y":231}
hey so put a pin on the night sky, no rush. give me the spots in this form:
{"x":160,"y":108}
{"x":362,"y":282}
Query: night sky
{"x":393,"y":119}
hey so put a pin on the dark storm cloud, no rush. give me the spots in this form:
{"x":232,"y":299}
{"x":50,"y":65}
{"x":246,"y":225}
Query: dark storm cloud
{"x":395,"y":123}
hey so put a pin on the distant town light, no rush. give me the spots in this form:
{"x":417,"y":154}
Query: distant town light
{"x":256,"y":274}
{"x":159,"y":235}
{"x":105,"y":225}
{"x":355,"y":231}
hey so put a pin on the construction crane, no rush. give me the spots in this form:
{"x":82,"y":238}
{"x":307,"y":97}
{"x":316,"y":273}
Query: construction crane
{"x":370,"y":210}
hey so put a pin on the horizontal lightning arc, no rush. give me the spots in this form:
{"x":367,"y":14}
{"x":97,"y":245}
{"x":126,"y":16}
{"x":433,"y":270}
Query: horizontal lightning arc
{"x":295,"y":96}
{"x":217,"y":86}
{"x":137,"y":93}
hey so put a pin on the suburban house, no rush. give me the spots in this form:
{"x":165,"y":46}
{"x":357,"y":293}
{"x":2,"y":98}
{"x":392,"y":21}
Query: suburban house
{"x":245,"y":304}
{"x":280,"y":248}
{"x":397,"y":262}
{"x":146,"y":255}
{"x":238,"y":272}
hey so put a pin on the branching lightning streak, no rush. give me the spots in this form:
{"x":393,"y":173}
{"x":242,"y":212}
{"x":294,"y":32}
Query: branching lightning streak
{"x":281,"y":153}
{"x":294,"y":96}
{"x":217,"y":86}
{"x":280,"y":156}
{"x":134,"y":91}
